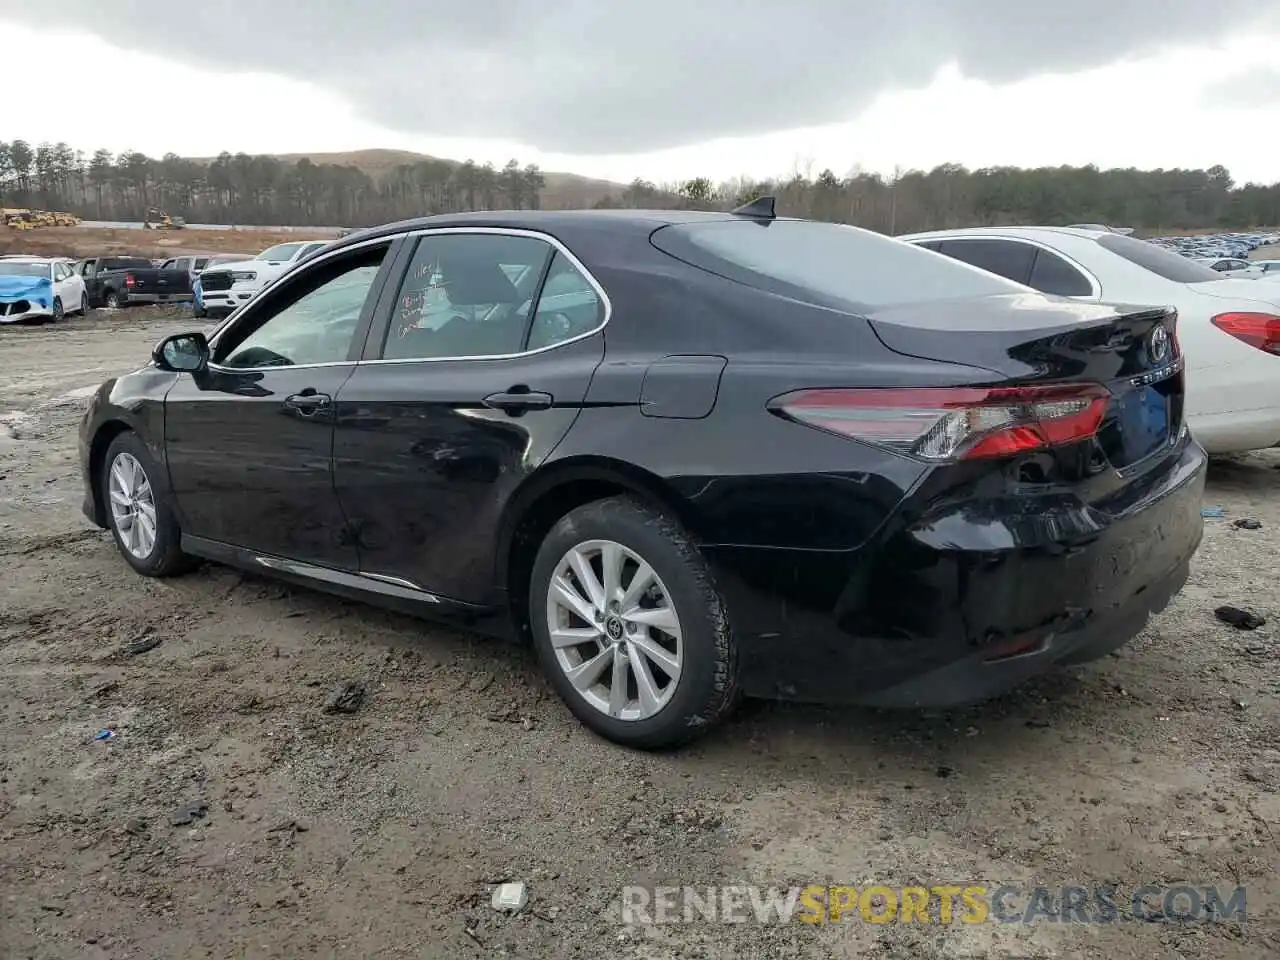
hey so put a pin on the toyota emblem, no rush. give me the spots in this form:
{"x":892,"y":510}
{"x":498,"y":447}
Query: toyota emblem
{"x":1158,"y":345}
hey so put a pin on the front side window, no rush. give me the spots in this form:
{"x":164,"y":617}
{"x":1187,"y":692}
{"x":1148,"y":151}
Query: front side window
{"x":310,"y":320}
{"x":466,"y":295}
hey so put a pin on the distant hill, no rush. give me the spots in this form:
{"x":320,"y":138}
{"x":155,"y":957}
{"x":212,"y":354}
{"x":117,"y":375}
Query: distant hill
{"x":561,"y":190}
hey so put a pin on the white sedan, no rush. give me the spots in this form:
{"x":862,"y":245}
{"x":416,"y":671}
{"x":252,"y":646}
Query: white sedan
{"x":39,"y":289}
{"x":1229,"y":329}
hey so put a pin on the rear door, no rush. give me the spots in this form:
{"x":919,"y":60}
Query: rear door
{"x":478,"y":369}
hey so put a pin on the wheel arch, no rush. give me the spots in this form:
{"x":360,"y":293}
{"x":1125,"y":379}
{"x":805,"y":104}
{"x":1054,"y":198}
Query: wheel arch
{"x":103,"y":437}
{"x":550,"y":494}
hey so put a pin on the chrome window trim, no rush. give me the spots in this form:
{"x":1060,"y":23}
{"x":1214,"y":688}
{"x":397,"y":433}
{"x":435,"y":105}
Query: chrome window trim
{"x":605,"y":315}
{"x":1094,"y":284}
{"x":314,"y":261}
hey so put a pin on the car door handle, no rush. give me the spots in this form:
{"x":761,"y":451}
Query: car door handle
{"x":308,"y":402}
{"x":516,"y":402}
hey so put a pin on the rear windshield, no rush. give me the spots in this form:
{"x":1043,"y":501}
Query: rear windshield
{"x":125,"y":263}
{"x":828,"y":263}
{"x":1161,"y":262}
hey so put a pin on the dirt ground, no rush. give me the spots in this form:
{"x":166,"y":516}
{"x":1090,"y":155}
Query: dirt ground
{"x":380,"y":833}
{"x":80,"y":242}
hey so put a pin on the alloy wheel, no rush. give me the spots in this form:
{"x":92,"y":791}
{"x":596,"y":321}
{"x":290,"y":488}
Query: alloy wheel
{"x":614,"y":630}
{"x":133,"y":505}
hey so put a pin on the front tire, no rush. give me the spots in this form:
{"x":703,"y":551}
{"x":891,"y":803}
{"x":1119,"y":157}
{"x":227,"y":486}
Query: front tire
{"x":629,"y":626}
{"x":138,"y":513}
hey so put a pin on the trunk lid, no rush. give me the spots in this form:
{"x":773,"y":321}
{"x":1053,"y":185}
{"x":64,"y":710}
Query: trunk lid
{"x":1031,"y":339}
{"x":1265,"y":293}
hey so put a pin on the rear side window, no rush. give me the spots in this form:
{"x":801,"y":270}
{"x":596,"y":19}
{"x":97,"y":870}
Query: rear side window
{"x":467,"y":295}
{"x":1007,"y":258}
{"x":1052,"y":274}
{"x":826,"y":263}
{"x":1170,"y":266}
{"x":568,"y":306}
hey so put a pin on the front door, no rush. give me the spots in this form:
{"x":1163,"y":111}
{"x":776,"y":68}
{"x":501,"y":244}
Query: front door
{"x":479,"y":373}
{"x":249,"y":442}
{"x":88,"y":271}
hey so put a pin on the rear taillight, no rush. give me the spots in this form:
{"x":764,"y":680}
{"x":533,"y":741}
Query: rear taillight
{"x":954,"y":423}
{"x":128,"y":280}
{"x":1261,"y":330}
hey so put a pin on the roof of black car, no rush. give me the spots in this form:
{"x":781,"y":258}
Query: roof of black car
{"x":543,"y":221}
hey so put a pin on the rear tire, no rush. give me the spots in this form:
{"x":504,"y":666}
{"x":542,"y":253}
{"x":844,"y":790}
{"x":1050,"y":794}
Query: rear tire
{"x":58,"y":312}
{"x":138,"y":513}
{"x":84,"y":304}
{"x":659,"y":677}
{"x":112,"y":300}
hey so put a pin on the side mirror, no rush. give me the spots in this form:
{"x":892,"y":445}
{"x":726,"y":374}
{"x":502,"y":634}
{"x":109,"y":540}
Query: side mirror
{"x":182,"y":353}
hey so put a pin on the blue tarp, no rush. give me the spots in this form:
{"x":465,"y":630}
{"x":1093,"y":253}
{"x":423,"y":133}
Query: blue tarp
{"x":36,"y":289}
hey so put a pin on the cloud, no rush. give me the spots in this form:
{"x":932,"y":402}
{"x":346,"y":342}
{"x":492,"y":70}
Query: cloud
{"x":622,"y":76}
{"x":1258,"y":86}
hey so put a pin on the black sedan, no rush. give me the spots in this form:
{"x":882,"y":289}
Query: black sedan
{"x":690,"y":455}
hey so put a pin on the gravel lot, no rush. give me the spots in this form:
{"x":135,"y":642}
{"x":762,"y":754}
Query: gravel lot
{"x":380,"y":833}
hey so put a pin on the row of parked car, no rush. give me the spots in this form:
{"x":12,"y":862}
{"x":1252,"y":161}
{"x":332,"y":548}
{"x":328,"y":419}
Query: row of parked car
{"x":1229,"y":327}
{"x":35,"y":289}
{"x":1227,"y":253}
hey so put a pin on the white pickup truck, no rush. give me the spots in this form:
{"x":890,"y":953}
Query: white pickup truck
{"x":224,"y":288}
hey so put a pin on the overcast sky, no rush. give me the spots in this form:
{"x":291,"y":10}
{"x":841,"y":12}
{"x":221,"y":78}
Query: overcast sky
{"x":662,"y":89}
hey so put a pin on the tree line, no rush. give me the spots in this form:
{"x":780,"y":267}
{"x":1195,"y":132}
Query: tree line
{"x":253,"y":189}
{"x":263,"y":189}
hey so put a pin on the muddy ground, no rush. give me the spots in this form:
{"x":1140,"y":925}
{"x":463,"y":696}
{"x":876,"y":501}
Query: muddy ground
{"x":380,"y":833}
{"x":80,"y":242}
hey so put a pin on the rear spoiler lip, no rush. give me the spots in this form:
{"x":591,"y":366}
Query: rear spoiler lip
{"x":1002,"y":313}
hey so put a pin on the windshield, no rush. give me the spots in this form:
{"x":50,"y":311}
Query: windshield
{"x":10,"y":269}
{"x":827,"y":263}
{"x":1170,"y":266}
{"x":281,"y":251}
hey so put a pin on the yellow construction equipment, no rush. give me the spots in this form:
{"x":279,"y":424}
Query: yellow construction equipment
{"x":163,"y":221}
{"x":19,"y":219}
{"x":23,"y":219}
